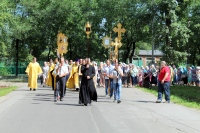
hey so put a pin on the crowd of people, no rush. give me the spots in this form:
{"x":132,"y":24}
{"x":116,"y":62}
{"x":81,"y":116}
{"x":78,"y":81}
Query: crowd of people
{"x":147,"y":76}
{"x":85,"y":76}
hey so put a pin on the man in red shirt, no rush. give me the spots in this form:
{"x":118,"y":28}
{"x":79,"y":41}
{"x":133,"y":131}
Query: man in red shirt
{"x":164,"y":78}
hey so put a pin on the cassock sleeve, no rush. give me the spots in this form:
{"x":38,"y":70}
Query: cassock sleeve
{"x":93,"y":72}
{"x":27,"y":69}
{"x":39,"y":69}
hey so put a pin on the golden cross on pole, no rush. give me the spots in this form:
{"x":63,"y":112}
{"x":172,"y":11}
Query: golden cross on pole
{"x":117,"y":44}
{"x":120,"y":30}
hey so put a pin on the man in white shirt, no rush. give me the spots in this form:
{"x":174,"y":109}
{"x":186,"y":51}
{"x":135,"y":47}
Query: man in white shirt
{"x":117,"y":83}
{"x":108,"y":78}
{"x":61,"y":71}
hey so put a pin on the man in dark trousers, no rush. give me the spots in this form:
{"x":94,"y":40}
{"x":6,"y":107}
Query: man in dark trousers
{"x":87,"y":90}
{"x":61,"y":71}
{"x":164,"y":83}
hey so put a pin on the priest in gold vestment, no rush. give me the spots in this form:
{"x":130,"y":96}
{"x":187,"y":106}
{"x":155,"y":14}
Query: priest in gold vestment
{"x":56,"y":64}
{"x":50,"y":81}
{"x":73,"y":81}
{"x":33,"y":70}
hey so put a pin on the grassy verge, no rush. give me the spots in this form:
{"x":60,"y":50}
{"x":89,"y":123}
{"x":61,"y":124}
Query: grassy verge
{"x":5,"y":90}
{"x":11,"y":78}
{"x":188,"y":96}
{"x":15,"y":80}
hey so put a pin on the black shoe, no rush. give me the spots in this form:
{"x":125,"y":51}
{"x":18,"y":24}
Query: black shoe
{"x":34,"y":89}
{"x":30,"y":89}
{"x":85,"y":104}
{"x":61,"y":99}
{"x":55,"y":100}
{"x":118,"y":101}
{"x":77,"y":89}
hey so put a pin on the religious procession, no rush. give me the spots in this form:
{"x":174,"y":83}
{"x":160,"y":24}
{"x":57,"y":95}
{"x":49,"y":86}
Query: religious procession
{"x":100,"y":66}
{"x":85,"y":76}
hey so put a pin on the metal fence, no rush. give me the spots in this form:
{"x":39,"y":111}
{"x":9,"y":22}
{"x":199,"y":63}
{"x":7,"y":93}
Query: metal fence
{"x":11,"y":68}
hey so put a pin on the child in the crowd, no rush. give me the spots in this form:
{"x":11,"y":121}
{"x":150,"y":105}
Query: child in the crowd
{"x":140,"y":80}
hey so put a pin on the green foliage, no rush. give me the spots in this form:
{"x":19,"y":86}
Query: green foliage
{"x":172,"y":25}
{"x":4,"y":71}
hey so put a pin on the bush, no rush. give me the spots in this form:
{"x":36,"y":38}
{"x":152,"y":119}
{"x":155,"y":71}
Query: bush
{"x":4,"y":71}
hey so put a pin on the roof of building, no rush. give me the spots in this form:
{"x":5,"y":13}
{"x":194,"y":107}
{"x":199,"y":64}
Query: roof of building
{"x":149,"y":52}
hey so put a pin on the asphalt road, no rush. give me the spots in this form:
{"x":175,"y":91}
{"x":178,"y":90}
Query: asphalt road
{"x":25,"y":111}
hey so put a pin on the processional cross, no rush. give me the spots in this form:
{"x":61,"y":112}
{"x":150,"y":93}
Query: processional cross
{"x":120,"y":30}
{"x":117,"y":45}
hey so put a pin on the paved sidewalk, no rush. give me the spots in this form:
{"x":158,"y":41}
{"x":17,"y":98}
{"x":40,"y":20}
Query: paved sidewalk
{"x":27,"y":111}
{"x":4,"y":83}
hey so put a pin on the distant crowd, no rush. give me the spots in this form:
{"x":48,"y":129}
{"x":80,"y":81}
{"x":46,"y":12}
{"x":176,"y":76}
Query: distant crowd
{"x":147,"y":76}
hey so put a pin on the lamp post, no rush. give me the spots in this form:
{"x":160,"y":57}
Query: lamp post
{"x":88,"y":31}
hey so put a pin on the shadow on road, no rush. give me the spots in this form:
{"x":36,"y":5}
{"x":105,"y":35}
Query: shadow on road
{"x":45,"y":95}
{"x":43,"y":99}
{"x":101,"y":96}
{"x":104,"y":101}
{"x":21,"y":90}
{"x":68,"y":104}
{"x":146,"y":101}
{"x":35,"y":103}
{"x":46,"y":89}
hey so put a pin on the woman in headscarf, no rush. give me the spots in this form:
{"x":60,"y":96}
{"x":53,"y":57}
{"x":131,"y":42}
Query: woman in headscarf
{"x":146,"y":80}
{"x":189,"y":75}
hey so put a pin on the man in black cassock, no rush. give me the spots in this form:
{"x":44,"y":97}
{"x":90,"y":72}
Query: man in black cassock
{"x":87,"y":91}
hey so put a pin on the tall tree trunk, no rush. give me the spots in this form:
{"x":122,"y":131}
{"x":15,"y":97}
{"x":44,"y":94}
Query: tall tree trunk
{"x":48,"y":57}
{"x":128,"y":46}
{"x":193,"y":59}
{"x":168,"y":24}
{"x":17,"y":55}
{"x":34,"y":52}
{"x":132,"y":52}
{"x":127,"y":52}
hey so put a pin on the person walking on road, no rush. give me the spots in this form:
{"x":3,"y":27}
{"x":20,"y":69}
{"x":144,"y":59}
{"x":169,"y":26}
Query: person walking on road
{"x":87,"y":92}
{"x":33,"y":70}
{"x":164,"y":83}
{"x":61,"y":71}
{"x":117,"y":83}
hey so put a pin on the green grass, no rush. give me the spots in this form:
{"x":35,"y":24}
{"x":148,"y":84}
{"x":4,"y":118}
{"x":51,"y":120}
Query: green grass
{"x":6,"y":90}
{"x":188,"y":96}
